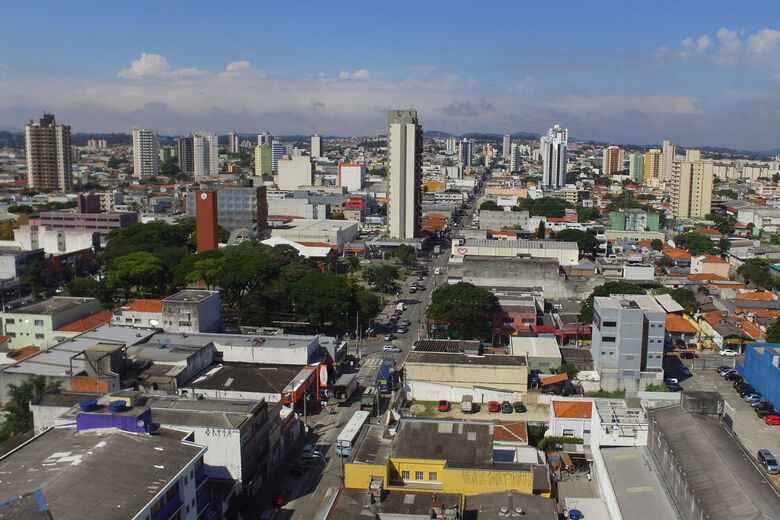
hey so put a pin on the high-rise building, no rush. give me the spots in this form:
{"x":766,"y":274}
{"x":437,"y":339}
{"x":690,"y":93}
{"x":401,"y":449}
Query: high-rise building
{"x":553,"y":147}
{"x":277,"y":152}
{"x":636,"y":167}
{"x":263,"y":162}
{"x":514,"y":158}
{"x":669,"y":151}
{"x":693,"y":155}
{"x":206,"y":221}
{"x":146,"y":152}
{"x":404,"y":150}
{"x":47,"y":147}
{"x":316,"y":146}
{"x":185,"y":154}
{"x":166,"y":153}
{"x":612,"y":160}
{"x":264,"y":138}
{"x":294,"y":172}
{"x":233,"y":145}
{"x":466,"y":152}
{"x":205,"y":154}
{"x":507,"y":148}
{"x":653,"y":160}
{"x":691,"y":194}
{"x":628,"y":341}
{"x":450,"y":144}
{"x":237,"y":208}
{"x":352,"y":176}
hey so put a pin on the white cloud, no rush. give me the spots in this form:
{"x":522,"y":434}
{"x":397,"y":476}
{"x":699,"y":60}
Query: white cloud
{"x":358,"y":74}
{"x":156,"y":66}
{"x":763,"y":42}
{"x":237,"y":66}
{"x":730,"y":49}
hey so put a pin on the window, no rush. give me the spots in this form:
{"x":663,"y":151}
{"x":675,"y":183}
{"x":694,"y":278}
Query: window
{"x":608,"y":339}
{"x":418,"y":475}
{"x":39,"y":323}
{"x":405,"y":475}
{"x":11,"y":334}
{"x":568,"y":433}
{"x":10,"y":321}
{"x":609,"y":324}
{"x":432,"y":476}
{"x":38,"y":336}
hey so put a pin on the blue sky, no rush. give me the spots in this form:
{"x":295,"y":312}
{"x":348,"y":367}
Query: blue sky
{"x":699,"y":73}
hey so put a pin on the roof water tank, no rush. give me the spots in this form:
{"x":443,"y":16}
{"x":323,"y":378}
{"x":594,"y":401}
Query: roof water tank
{"x":116,"y":406}
{"x":88,"y":405}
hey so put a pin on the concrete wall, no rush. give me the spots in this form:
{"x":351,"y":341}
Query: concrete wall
{"x":501,"y":377}
{"x":425,"y":391}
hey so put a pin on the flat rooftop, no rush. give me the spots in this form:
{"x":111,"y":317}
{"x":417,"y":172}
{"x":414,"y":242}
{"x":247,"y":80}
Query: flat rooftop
{"x":522,"y":244}
{"x":115,"y":473}
{"x":720,"y":474}
{"x":190,"y":295}
{"x":465,"y":359}
{"x":629,"y":301}
{"x":247,"y":377}
{"x":351,"y":505}
{"x":637,"y":485}
{"x":446,"y":345}
{"x":53,"y":305}
{"x":214,"y":413}
{"x":488,"y":506}
{"x":374,"y":447}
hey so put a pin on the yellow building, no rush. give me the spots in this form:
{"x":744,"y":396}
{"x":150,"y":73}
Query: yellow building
{"x":691,"y":194}
{"x":263,"y":160}
{"x":653,"y":162}
{"x":450,"y":456}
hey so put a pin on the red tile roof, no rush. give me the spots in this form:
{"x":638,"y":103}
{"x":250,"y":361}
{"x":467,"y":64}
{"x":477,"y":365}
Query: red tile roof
{"x":572,"y":409}
{"x":755,"y":295}
{"x":713,"y":317}
{"x":510,"y":432}
{"x":705,"y":276}
{"x":677,"y":254}
{"x":712,"y":259}
{"x":554,"y":379}
{"x":707,"y":231}
{"x":676,"y":323}
{"x":145,"y":306}
{"x":21,"y":353}
{"x":90,"y":322}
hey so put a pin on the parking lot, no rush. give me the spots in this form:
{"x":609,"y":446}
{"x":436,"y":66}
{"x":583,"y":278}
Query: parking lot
{"x":751,"y":431}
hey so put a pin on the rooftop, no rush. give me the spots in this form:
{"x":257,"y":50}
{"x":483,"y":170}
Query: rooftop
{"x":190,"y":295}
{"x":247,"y":377}
{"x":573,"y":409}
{"x":465,"y":359}
{"x":351,"y":505}
{"x":90,"y":322}
{"x":522,"y":244}
{"x":629,"y":301}
{"x":676,"y":323}
{"x":73,"y":469}
{"x":446,"y":345}
{"x":146,"y":305}
{"x":491,"y":505}
{"x":53,"y":305}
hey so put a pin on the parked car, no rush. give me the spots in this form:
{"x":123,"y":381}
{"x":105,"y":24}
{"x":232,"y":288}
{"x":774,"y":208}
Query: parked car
{"x":728,"y":352}
{"x":391,"y":348}
{"x":280,"y":496}
{"x":733,"y":376}
{"x":444,"y":405}
{"x":412,"y":290}
{"x":768,"y":462}
{"x":761,"y":402}
{"x":678,"y":343}
{"x":739,"y":385}
{"x":389,"y":336}
{"x":774,"y":420}
{"x":671,"y":380}
{"x":405,"y":322}
{"x":493,"y":406}
{"x":519,"y":407}
{"x":742,"y":392}
{"x":724,"y":373}
{"x":722,"y":368}
{"x":506,"y":407}
{"x":752,"y":398}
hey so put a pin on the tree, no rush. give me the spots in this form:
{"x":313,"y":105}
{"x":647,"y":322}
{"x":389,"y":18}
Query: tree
{"x":139,"y":270}
{"x":657,"y":244}
{"x":754,"y":270}
{"x":169,"y":167}
{"x":489,"y":205}
{"x":544,"y":207}
{"x":696,"y":244}
{"x":87,"y":288}
{"x":352,"y":264}
{"x":587,"y":243}
{"x":773,"y":332}
{"x":569,"y":369}
{"x":607,"y":289}
{"x":541,"y":232}
{"x":587,"y":214}
{"x":33,"y":276}
{"x":463,"y":306}
{"x":206,"y":270}
{"x":223,"y":235}
{"x":724,"y":245}
{"x":382,"y":211}
{"x":18,"y":417}
{"x":406,"y":254}
{"x":322,"y":298}
{"x":386,"y":276}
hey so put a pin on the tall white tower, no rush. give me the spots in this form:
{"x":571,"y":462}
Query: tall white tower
{"x":146,"y":152}
{"x":507,"y":148}
{"x":553,"y":146}
{"x":669,"y":150}
{"x":404,"y":150}
{"x":316,"y":146}
{"x":205,"y":154}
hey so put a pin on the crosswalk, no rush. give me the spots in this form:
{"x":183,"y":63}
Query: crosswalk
{"x":372,"y":362}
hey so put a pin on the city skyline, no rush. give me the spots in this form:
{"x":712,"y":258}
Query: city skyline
{"x":683,"y":81}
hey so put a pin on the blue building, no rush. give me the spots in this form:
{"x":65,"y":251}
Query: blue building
{"x":762,"y":369}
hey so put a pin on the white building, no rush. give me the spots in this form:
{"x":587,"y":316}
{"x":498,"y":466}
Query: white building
{"x":404,"y":149}
{"x":233,"y":145}
{"x":667,"y":157}
{"x":205,"y":154}
{"x":192,"y":310}
{"x":507,"y":144}
{"x":294,"y":172}
{"x":466,"y":152}
{"x":146,"y":152}
{"x":316,"y":146}
{"x":55,"y":241}
{"x":554,"y":146}
{"x":352,"y":176}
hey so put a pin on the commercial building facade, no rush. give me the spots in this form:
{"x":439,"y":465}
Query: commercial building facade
{"x":263,"y":162}
{"x":634,"y":220}
{"x":97,"y":222}
{"x":37,"y":324}
{"x":352,"y":176}
{"x":294,"y":172}
{"x":404,"y":145}
{"x":205,"y":151}
{"x":316,"y":146}
{"x":761,"y":369}
{"x":47,"y":149}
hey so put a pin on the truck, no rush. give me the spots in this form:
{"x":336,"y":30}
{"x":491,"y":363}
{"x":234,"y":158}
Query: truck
{"x":466,"y":404}
{"x":345,"y":386}
{"x":401,"y":307}
{"x":383,"y":378}
{"x":437,"y":270}
{"x":369,"y":398}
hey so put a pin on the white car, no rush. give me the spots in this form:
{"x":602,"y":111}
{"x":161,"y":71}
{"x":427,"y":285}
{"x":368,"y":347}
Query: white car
{"x":391,"y":348}
{"x":671,"y":380}
{"x":728,"y":352}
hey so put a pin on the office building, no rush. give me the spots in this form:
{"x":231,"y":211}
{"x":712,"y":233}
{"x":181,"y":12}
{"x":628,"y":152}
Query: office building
{"x":264,"y":138}
{"x":166,"y":153}
{"x":263,"y":160}
{"x":233,"y":145}
{"x":237,"y":208}
{"x":554,"y":146}
{"x":101,"y":223}
{"x":205,"y":154}
{"x":634,"y":220}
{"x":295,"y":172}
{"x":192,"y":311}
{"x":507,"y":146}
{"x":515,"y":158}
{"x":316,"y":146}
{"x":612,"y":160}
{"x":466,"y":152}
{"x":404,"y":150}
{"x":693,"y":155}
{"x":185,"y":154}
{"x":47,"y":146}
{"x":691,"y":193}
{"x":278,"y":150}
{"x":37,"y":324}
{"x":146,"y":152}
{"x":653,"y":160}
{"x":636,"y":167}
{"x":628,"y":341}
{"x":207,"y":221}
{"x":761,"y":369}
{"x":352,"y":176}
{"x":669,"y":151}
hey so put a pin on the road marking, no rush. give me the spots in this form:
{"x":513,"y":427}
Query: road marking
{"x":640,"y":489}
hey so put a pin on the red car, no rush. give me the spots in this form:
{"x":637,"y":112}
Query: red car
{"x":493,"y":406}
{"x":281,"y":496}
{"x":444,"y":406}
{"x":772,"y":419}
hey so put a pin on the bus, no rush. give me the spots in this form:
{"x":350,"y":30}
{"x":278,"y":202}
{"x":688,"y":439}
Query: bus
{"x":383,"y":377}
{"x":349,"y":434}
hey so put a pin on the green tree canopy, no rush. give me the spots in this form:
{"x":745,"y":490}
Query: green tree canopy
{"x":544,"y":207}
{"x":657,"y":244}
{"x":322,"y":298}
{"x":587,"y":242}
{"x":586,"y":214}
{"x":755,"y":271}
{"x":18,"y":417}
{"x":607,"y":289}
{"x":490,"y":205}
{"x":406,"y":254}
{"x":464,"y":306}
{"x":696,"y":244}
{"x":140,"y":270}
{"x":773,"y":332}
